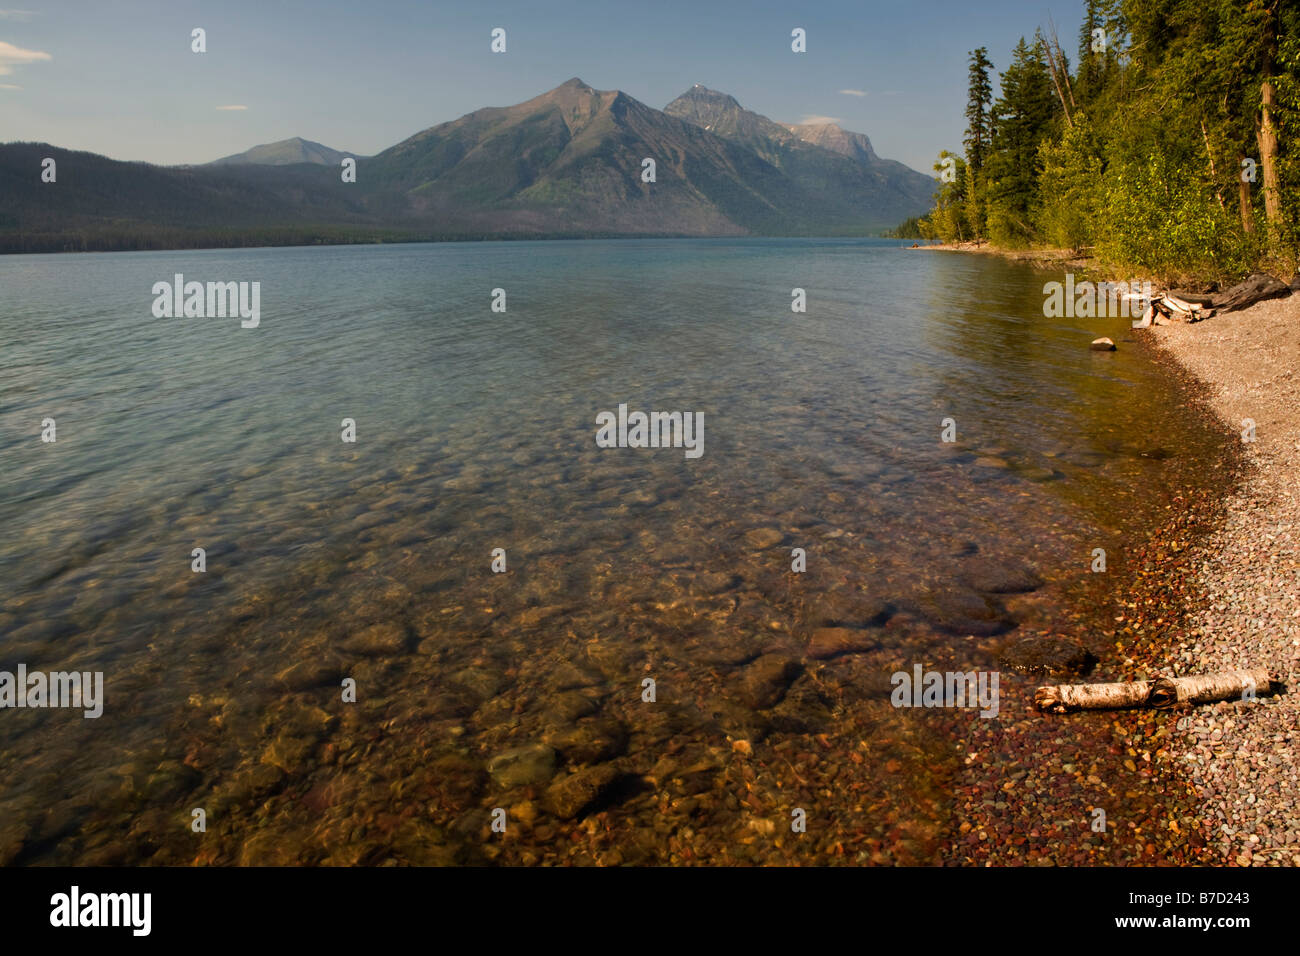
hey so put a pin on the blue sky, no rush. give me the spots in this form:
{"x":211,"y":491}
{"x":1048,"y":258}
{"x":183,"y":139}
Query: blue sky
{"x":119,"y":78}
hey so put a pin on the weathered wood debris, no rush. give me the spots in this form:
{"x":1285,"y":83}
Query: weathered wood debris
{"x":1161,"y":693}
{"x":1176,"y":306}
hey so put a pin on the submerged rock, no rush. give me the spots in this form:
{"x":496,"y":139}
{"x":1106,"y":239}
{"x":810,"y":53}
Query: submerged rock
{"x":309,"y":674}
{"x":993,"y":577}
{"x":827,"y":642}
{"x":852,"y":609}
{"x":569,"y":796}
{"x":805,"y":709}
{"x":378,"y":640}
{"x":761,"y":538}
{"x":1045,"y":654}
{"x":764,"y":682}
{"x":965,"y":613}
{"x":521,"y":766}
{"x":589,"y":742}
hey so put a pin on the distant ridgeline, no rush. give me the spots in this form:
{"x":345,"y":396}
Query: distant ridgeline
{"x":574,"y":162}
{"x":1173,"y":146}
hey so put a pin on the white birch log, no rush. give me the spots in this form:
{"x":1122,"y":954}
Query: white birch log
{"x":1165,"y":692}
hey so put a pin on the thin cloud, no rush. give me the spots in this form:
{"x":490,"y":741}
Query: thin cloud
{"x":11,"y":56}
{"x":21,"y":15}
{"x":10,"y":86}
{"x":235,"y":106}
{"x":819,"y":120}
{"x":854,"y":92}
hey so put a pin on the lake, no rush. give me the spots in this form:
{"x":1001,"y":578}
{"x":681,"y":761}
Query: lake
{"x":649,"y":680}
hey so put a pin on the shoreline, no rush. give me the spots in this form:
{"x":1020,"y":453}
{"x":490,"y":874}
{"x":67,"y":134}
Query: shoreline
{"x":1241,"y":756}
{"x":1217,"y":586}
{"x":1032,"y":787}
{"x":1038,"y":257}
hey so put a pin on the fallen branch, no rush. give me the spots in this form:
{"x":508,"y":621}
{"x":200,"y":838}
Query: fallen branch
{"x":1164,"y":692}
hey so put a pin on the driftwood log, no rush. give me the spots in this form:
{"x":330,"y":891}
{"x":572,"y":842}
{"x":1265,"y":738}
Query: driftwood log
{"x":1164,"y":692}
{"x":1165,"y":307}
{"x":1255,"y":288}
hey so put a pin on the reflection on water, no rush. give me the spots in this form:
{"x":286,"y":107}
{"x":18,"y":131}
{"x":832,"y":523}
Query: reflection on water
{"x":475,"y":431}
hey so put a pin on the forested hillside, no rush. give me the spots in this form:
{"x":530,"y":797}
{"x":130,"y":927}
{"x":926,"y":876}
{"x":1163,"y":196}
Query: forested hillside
{"x":1169,"y":143}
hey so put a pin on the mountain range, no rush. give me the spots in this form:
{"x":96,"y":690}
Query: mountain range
{"x":567,"y":163}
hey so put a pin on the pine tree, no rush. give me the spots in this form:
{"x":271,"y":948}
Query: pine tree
{"x":1022,"y":117}
{"x":1092,"y":47}
{"x":978,"y":131}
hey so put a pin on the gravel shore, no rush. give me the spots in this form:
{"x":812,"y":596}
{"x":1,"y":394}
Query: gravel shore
{"x":1244,"y":757}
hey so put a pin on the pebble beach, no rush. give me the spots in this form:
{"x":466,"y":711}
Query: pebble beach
{"x":1242,"y":756}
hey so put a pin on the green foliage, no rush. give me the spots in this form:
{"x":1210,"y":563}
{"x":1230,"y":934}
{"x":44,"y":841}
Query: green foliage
{"x":947,"y":221}
{"x":1162,"y":219}
{"x":1143,"y":159}
{"x":1070,"y":207}
{"x":1288,"y":118}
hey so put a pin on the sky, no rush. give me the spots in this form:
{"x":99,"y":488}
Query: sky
{"x":118,"y":77}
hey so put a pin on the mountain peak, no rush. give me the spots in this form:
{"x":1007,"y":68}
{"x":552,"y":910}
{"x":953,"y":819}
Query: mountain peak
{"x":285,"y":152}
{"x":721,"y":114}
{"x":701,"y":94}
{"x":834,"y":137}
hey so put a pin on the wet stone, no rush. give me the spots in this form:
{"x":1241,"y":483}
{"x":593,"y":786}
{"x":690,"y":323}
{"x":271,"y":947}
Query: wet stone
{"x":763,"y":683}
{"x":713,"y":582}
{"x":378,"y":640}
{"x":844,"y":608}
{"x":311,"y":673}
{"x":965,"y":613}
{"x":828,"y":642}
{"x":1044,"y":654}
{"x":569,"y":706}
{"x":589,"y":742}
{"x":569,"y":796}
{"x":761,"y":538}
{"x":522,"y":766}
{"x":993,"y":577}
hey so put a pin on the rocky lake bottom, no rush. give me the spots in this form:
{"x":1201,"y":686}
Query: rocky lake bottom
{"x":524,"y":691}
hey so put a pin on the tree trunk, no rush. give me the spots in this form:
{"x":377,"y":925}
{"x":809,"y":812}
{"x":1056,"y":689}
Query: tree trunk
{"x":1267,"y":136}
{"x":1051,"y":68}
{"x":1243,"y":200}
